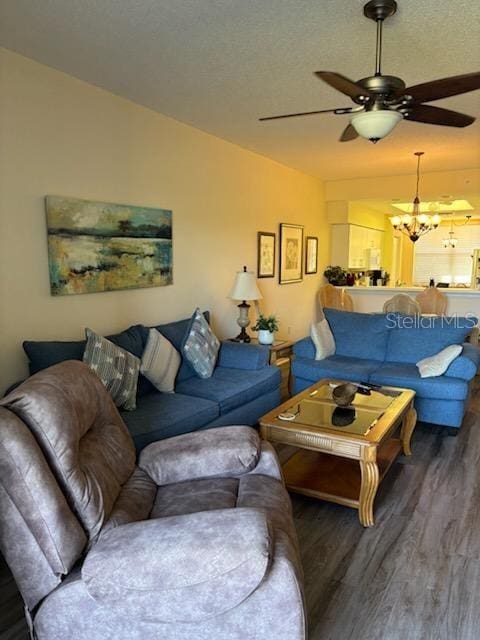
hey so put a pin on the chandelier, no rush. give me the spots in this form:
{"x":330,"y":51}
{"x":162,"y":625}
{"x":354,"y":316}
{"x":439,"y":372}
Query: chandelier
{"x":451,"y":241}
{"x":416,"y":224}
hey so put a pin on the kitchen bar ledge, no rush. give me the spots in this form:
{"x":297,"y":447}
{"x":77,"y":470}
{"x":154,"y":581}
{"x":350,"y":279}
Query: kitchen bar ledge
{"x":461,"y":301}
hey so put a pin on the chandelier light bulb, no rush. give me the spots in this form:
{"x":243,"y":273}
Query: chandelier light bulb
{"x":423,"y":219}
{"x":436,"y":219}
{"x":396,"y":221}
{"x":406,"y":219}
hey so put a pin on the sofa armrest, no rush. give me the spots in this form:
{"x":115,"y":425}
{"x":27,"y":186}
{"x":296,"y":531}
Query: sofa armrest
{"x":473,"y":336}
{"x":304,"y":348}
{"x":268,"y":464}
{"x":467,"y":363}
{"x":237,"y":355}
{"x":219,"y":452}
{"x":182,"y":568}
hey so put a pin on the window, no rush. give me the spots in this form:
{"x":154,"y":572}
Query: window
{"x":452,"y":265}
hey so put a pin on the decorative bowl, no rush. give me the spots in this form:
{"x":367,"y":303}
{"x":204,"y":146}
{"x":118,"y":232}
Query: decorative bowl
{"x":344,"y":394}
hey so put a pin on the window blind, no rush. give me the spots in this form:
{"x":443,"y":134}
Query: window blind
{"x":452,"y":265}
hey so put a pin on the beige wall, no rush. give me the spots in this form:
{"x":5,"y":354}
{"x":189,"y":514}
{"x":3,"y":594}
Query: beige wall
{"x":62,"y":136}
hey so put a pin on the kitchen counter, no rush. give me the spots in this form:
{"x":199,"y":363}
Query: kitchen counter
{"x":461,"y":300}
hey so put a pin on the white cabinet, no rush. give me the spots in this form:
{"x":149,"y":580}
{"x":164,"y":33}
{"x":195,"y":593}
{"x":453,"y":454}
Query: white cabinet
{"x":350,"y":245}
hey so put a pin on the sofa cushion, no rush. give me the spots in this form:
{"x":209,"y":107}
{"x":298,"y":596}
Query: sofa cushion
{"x":117,"y":369}
{"x":200,"y":346}
{"x":194,"y":566}
{"x":191,"y":496}
{"x":339,"y":367}
{"x":43,"y":354}
{"x":40,"y":537}
{"x":209,"y":453}
{"x":162,"y":415}
{"x":413,"y":338}
{"x":358,"y":335}
{"x":91,"y":459}
{"x":231,"y":388}
{"x":406,"y":375}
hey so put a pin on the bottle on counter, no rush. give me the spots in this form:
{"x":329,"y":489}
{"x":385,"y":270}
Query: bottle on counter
{"x":431,"y":283}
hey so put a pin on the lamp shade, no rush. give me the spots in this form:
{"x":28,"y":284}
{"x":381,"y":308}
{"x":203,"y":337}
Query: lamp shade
{"x":245,"y":287}
{"x":375,"y":125}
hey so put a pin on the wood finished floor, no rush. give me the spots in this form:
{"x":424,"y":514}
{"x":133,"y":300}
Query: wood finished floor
{"x":414,"y":576}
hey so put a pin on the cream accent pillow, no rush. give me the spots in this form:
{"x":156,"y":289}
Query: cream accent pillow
{"x":323,"y":339}
{"x":160,"y":362}
{"x":439,"y":363}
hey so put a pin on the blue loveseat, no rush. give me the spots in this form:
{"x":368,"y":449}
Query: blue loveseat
{"x":242,"y":388}
{"x":384,"y":349}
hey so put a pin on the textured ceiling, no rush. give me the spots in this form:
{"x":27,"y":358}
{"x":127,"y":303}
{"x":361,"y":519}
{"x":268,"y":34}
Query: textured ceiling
{"x":220,"y":64}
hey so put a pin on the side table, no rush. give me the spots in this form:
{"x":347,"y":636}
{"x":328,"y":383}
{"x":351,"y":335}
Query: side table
{"x":280,"y":356}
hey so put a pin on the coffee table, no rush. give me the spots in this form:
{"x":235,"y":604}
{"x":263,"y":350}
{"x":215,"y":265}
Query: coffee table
{"x":343,"y":454}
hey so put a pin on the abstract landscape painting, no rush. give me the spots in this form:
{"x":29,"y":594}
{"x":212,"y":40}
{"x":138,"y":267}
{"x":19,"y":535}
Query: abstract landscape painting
{"x":99,"y":246}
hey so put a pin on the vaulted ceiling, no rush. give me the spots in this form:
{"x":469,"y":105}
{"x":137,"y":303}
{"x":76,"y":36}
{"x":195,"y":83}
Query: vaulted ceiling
{"x":220,"y":64}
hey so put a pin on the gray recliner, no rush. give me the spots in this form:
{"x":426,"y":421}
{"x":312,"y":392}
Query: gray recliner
{"x":196,"y":541}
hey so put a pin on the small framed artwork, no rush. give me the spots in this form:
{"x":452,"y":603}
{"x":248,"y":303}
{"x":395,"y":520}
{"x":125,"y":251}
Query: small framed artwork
{"x":266,"y":254}
{"x":311,"y":254}
{"x":291,"y":253}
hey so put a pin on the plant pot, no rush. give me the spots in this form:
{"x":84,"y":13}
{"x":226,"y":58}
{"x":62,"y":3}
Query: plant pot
{"x":265,"y":336}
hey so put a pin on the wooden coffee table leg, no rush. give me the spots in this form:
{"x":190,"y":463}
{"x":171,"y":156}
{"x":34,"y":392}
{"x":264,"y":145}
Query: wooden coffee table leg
{"x":368,"y":491}
{"x":409,"y":422}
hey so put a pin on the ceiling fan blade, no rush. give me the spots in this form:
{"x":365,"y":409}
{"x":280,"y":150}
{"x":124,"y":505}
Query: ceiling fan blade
{"x":436,"y":115}
{"x":343,"y":84}
{"x":444,"y":88}
{"x":349,"y":133}
{"x":307,"y":113}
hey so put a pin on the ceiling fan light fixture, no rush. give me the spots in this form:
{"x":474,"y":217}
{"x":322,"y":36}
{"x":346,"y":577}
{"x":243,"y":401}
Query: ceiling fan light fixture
{"x":375,"y":125}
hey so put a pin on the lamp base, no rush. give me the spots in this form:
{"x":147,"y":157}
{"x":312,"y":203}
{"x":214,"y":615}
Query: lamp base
{"x":243,"y":321}
{"x":242,"y":337}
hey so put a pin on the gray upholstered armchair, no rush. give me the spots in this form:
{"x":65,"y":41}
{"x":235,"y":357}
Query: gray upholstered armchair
{"x":194,"y":542}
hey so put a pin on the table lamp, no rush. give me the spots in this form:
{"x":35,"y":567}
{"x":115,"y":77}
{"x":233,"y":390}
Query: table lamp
{"x":244,"y":288}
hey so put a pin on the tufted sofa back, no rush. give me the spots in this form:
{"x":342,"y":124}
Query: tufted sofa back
{"x":81,"y":435}
{"x":40,"y":537}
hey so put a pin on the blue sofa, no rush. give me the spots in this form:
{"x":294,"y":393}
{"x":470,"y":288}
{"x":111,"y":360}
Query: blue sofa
{"x":242,"y":388}
{"x":384,"y":349}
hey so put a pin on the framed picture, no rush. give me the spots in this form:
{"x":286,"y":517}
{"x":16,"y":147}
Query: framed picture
{"x":102,"y":246}
{"x":291,"y":253}
{"x":266,"y":254}
{"x":311,"y":254}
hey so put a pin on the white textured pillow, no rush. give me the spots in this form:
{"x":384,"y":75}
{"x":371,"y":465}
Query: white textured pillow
{"x":160,"y":362}
{"x":323,"y":340}
{"x":439,"y":363}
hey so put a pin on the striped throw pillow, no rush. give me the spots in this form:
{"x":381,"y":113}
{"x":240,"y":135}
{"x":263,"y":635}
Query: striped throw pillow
{"x":117,"y":369}
{"x":160,"y":362}
{"x":201,"y":346}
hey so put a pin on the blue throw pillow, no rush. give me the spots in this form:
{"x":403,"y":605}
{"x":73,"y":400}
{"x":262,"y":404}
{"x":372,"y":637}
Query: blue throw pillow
{"x":200,"y":346}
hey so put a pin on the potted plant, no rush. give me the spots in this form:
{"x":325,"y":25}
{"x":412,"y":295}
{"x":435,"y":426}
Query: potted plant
{"x":335,"y":275}
{"x":266,"y":326}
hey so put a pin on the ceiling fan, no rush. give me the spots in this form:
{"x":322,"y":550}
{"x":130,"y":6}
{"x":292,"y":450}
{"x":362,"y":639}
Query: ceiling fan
{"x":382,"y":101}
